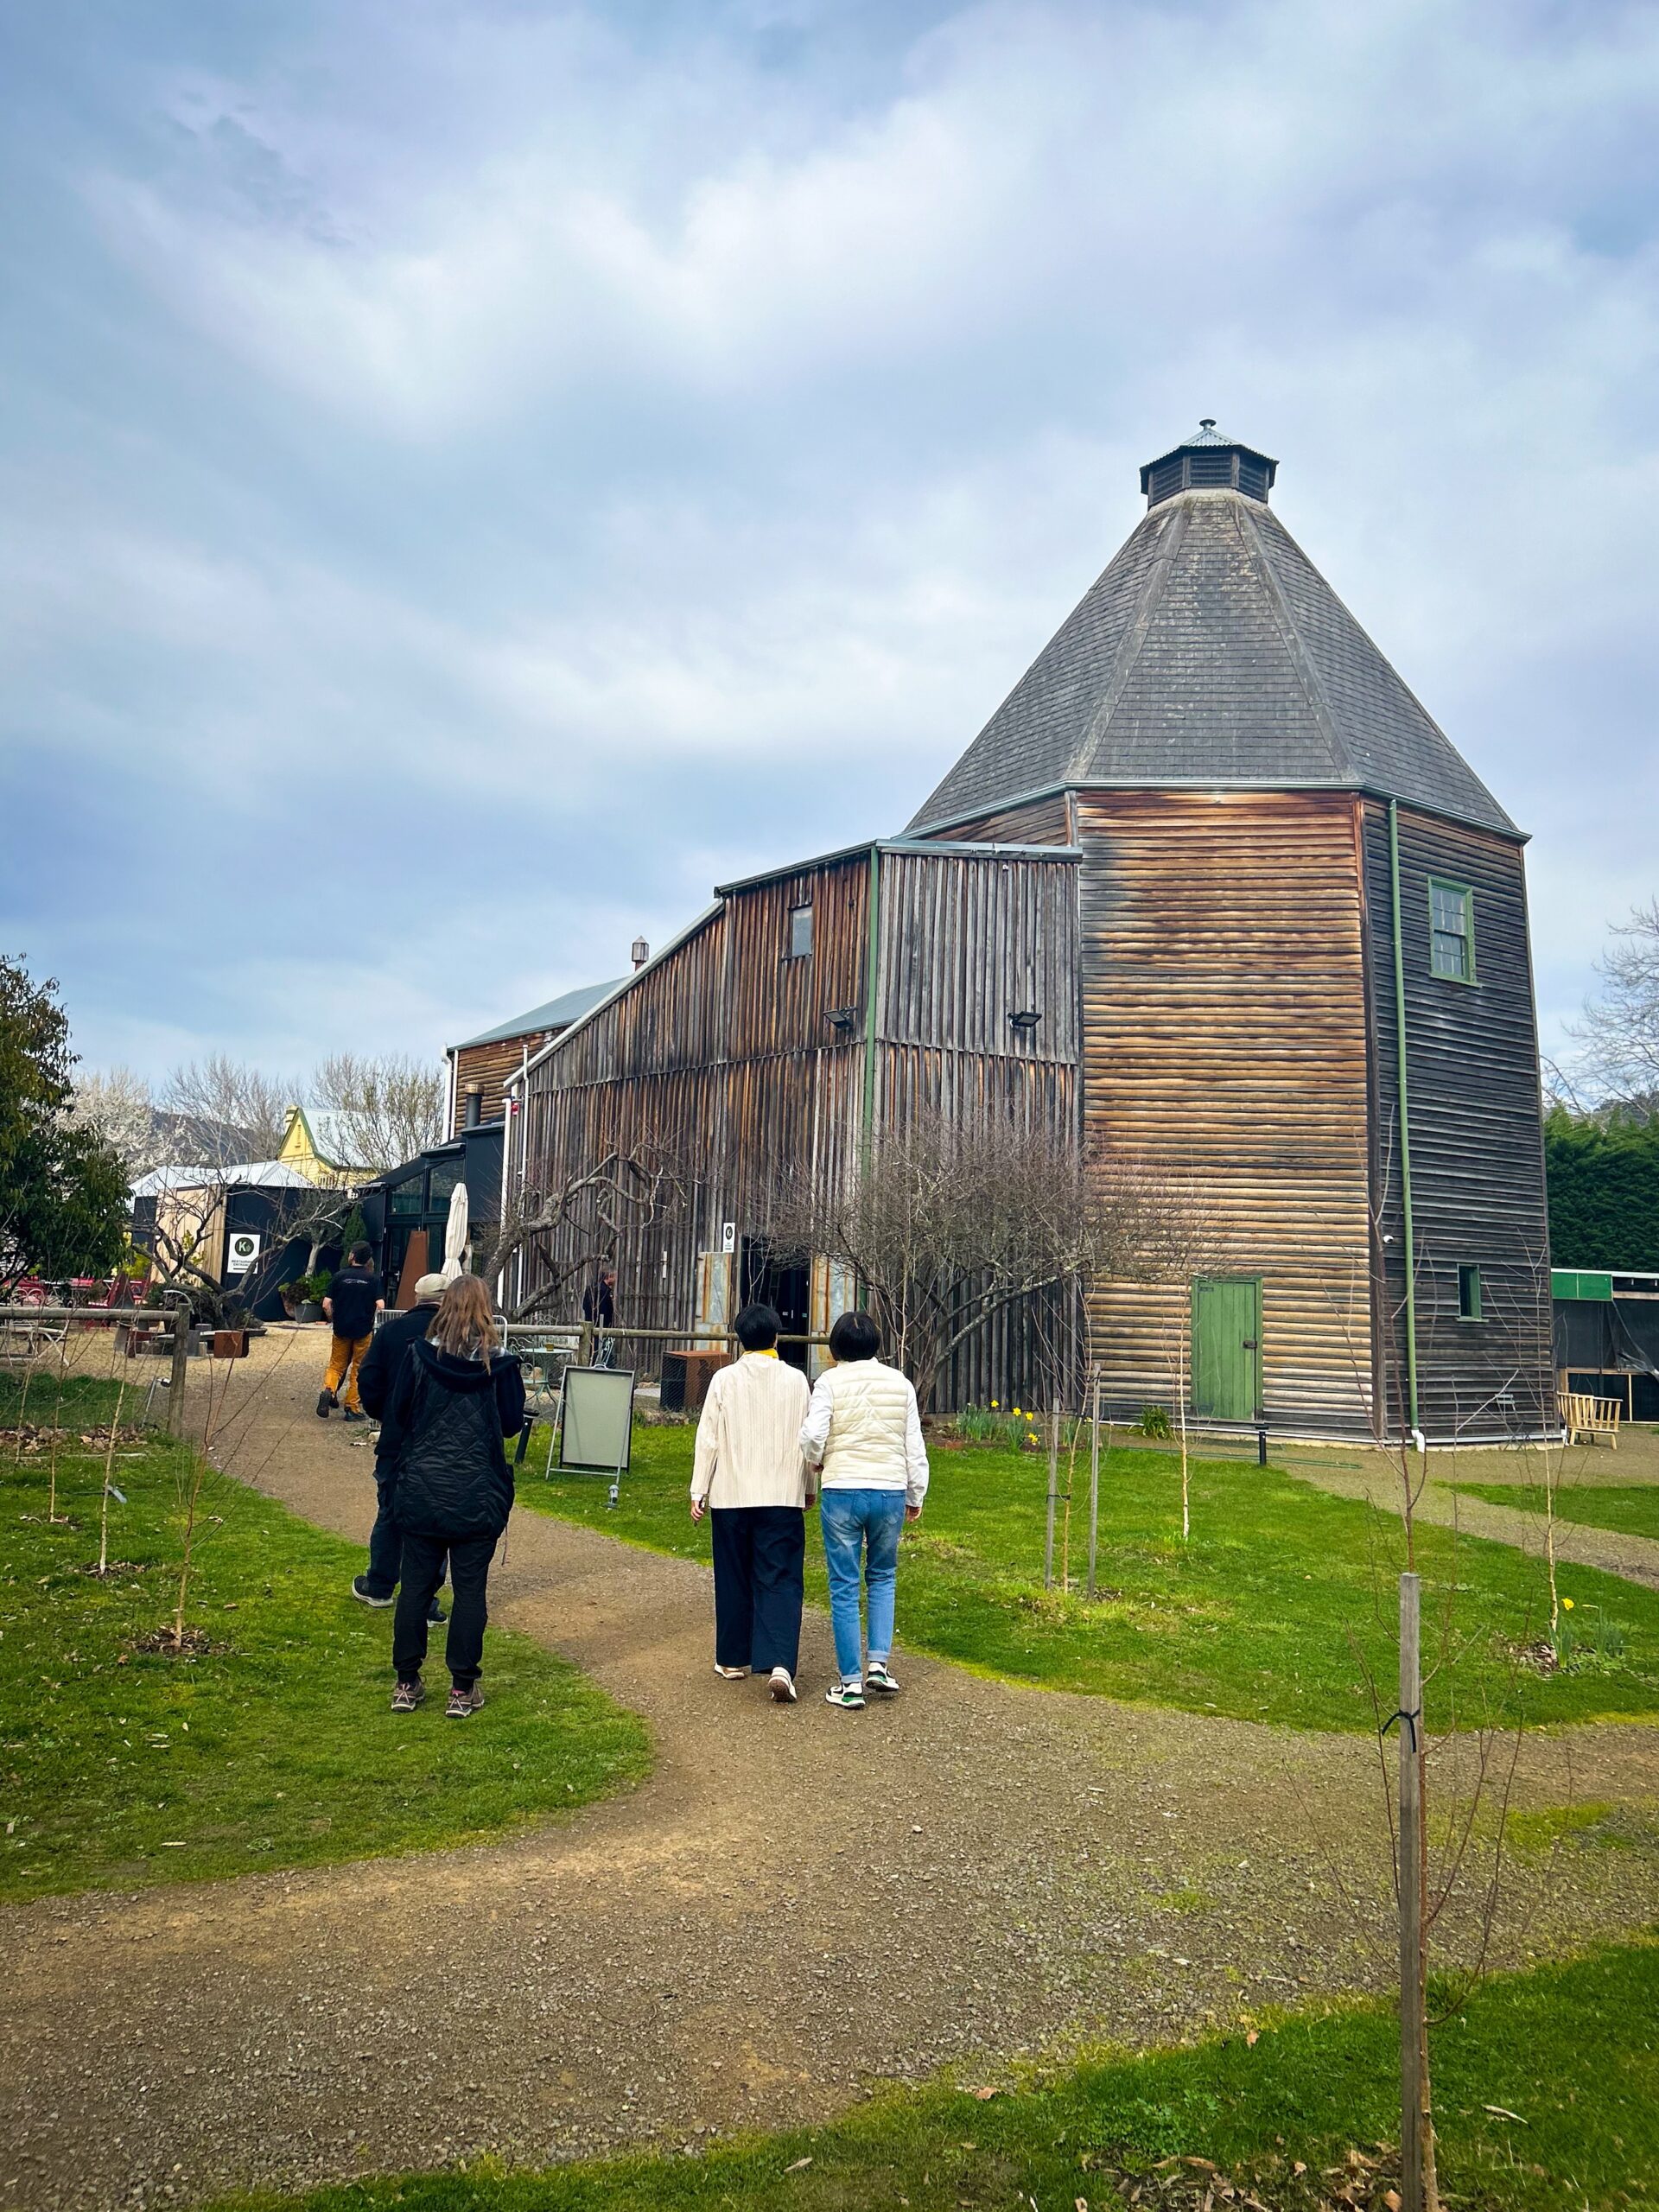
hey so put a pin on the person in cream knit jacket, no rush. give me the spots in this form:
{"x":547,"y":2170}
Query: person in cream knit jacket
{"x":864,"y":1435}
{"x":750,"y":1474}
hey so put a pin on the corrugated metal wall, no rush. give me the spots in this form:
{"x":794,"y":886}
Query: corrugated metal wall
{"x":1224,"y":1043}
{"x":1476,"y":1141}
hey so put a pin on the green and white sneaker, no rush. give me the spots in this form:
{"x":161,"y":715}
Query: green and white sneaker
{"x":879,"y":1678}
{"x":848,"y":1695}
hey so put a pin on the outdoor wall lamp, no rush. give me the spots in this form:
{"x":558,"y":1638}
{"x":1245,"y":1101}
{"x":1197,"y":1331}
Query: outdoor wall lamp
{"x":1024,"y":1021}
{"x":842,"y":1019}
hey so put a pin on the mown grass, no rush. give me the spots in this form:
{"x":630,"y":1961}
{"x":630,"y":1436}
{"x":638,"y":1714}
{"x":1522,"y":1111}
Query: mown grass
{"x":1275,"y":1610}
{"x":1547,"y":2092}
{"x":1628,"y":1512}
{"x":121,"y":1767}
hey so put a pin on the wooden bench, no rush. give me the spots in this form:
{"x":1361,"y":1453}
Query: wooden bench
{"x":1586,"y":1418}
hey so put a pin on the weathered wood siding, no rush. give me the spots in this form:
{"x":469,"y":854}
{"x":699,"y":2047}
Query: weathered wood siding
{"x":1476,"y":1136}
{"x":723,"y":1049}
{"x":1225,"y":1045}
{"x":1038,"y":822}
{"x":490,"y":1067}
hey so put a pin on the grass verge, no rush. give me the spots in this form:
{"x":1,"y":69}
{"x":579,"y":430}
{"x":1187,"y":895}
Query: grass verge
{"x":1547,"y":2088}
{"x":1260,"y":1615}
{"x":1627,"y":1511}
{"x":122,"y":1765}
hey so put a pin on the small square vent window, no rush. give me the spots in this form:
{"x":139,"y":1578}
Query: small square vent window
{"x":800,"y":933}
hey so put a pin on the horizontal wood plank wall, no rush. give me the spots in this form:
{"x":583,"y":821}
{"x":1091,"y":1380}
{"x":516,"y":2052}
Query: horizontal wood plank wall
{"x":1224,"y":1044}
{"x":489,"y":1067}
{"x":1476,"y":1144}
{"x":1038,"y":821}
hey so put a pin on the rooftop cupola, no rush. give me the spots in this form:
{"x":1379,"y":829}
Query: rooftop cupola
{"x":1209,"y":461}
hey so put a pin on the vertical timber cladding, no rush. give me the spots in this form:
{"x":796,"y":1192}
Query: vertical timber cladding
{"x":721,"y":1053}
{"x":1224,"y":1046}
{"x":966,"y":942}
{"x":1476,"y":1137}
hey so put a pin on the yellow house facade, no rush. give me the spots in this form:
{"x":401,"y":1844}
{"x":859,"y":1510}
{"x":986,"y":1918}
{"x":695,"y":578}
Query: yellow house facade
{"x":314,"y":1146}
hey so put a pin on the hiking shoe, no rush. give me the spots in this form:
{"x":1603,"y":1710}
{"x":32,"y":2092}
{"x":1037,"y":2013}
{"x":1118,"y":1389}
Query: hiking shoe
{"x":461,"y":1702}
{"x":437,"y":1618}
{"x":408,"y":1695}
{"x":364,"y":1596}
{"x":782,"y":1687}
{"x":848,"y":1695}
{"x":349,"y":1415}
{"x":730,"y":1674}
{"x":877,"y":1678}
{"x":325,"y":1403}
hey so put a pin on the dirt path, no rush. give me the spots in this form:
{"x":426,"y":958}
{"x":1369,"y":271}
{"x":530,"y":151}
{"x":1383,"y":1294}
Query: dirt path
{"x":796,"y":1902}
{"x":1635,"y":1558}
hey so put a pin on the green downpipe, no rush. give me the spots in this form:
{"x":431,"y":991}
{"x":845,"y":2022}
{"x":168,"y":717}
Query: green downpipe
{"x":872,"y":956}
{"x":1405,"y":1111}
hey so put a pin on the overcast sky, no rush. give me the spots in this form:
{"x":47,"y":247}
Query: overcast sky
{"x":473,"y":476}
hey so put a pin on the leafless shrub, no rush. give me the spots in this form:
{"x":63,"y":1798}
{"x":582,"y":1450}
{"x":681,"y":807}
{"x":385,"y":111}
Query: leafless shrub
{"x":552,"y":1235}
{"x":948,"y":1225}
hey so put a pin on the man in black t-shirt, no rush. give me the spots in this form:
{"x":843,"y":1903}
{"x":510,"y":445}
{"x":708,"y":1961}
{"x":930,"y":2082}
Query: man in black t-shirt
{"x":355,"y":1296}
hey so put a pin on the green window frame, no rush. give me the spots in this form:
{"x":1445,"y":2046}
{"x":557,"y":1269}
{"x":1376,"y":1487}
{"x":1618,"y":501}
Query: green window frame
{"x":1469,"y":1292}
{"x":1451,"y":931}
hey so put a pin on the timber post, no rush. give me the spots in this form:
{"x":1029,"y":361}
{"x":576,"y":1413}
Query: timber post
{"x":1053,"y":1486}
{"x":1094,"y":1478}
{"x":180,"y":1362}
{"x":1414,"y":2055}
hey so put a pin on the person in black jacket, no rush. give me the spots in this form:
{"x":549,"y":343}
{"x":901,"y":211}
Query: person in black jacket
{"x":378,"y":1372}
{"x":456,"y":1398}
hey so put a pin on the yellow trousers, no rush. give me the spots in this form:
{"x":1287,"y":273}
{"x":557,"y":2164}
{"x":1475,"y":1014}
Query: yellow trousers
{"x":344,"y":1357}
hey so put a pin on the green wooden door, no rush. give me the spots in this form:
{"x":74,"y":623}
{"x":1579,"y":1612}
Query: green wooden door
{"x":1227,"y":1347}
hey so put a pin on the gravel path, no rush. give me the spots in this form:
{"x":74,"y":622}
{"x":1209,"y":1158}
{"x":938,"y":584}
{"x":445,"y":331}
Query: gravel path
{"x":1635,"y":1558}
{"x":795,"y":1903}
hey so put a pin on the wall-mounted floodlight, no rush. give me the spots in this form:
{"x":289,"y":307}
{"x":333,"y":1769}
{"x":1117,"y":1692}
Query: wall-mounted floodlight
{"x":1024,"y":1021}
{"x":841,"y":1019}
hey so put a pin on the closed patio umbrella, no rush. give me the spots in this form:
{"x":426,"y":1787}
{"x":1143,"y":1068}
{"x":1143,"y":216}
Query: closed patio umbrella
{"x":454,"y":1234}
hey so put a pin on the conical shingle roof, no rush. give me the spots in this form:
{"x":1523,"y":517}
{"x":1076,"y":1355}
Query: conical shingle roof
{"x":1211,"y":653}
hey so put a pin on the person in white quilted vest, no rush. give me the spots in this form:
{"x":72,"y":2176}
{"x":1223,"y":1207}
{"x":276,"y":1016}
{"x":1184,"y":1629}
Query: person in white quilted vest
{"x":863,"y":1431}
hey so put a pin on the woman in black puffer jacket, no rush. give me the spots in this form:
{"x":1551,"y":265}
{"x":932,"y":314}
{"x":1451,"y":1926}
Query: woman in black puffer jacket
{"x":457,"y":1396}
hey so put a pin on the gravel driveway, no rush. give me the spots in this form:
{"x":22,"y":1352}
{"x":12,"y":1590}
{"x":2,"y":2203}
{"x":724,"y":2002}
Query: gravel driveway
{"x":796,"y":1902}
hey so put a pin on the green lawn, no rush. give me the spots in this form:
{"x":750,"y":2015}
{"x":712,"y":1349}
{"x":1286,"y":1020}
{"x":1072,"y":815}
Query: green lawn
{"x":120,"y":1767}
{"x":1258,"y":1616}
{"x":1568,"y":2056}
{"x":1631,"y":1512}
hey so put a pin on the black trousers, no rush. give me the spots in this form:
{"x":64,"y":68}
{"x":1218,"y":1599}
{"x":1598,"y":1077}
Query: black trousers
{"x":760,"y":1558}
{"x":386,"y":1547}
{"x":469,"y":1574}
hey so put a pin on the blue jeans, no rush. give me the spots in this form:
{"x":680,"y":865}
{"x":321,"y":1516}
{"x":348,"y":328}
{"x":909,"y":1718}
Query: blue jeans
{"x":861,"y":1528}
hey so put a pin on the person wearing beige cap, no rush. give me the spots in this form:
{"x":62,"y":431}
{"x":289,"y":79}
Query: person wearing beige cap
{"x":375,"y":1378}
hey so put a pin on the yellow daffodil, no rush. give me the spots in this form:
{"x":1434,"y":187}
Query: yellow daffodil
{"x":1016,"y":1413}
{"x":994,"y":1406}
{"x":1567,"y":1603}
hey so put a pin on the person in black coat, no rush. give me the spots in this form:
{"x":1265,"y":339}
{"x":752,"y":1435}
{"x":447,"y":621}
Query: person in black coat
{"x":456,"y":1398}
{"x":393,"y":1339}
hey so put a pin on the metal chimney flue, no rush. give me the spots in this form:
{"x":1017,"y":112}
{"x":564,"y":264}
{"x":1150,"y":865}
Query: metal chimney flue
{"x":475,"y":1105}
{"x":641,"y":953}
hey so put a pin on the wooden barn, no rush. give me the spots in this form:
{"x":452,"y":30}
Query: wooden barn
{"x":1212,"y":892}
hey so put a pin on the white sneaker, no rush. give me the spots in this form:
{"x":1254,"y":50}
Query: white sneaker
{"x":783,"y":1687}
{"x":878,"y":1678}
{"x":849,"y":1695}
{"x":730,"y":1674}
